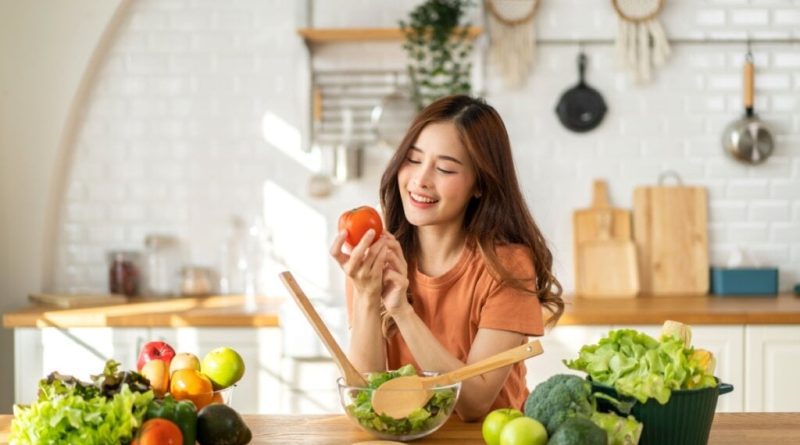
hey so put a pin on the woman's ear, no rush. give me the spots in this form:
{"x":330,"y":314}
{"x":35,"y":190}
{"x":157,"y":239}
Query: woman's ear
{"x":477,"y":195}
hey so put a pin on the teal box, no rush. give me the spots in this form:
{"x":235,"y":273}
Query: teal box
{"x":744,"y":281}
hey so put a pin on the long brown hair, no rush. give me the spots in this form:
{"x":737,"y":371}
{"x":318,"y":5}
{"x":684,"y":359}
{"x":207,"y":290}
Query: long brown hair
{"x":499,"y":215}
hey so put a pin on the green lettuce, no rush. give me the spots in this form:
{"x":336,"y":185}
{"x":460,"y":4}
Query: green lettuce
{"x":68,"y":410}
{"x":638,"y":365}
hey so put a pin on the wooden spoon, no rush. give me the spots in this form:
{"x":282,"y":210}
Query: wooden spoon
{"x":351,"y":376}
{"x":399,"y":397}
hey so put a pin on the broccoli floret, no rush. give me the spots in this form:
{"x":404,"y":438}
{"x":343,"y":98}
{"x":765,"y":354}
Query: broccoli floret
{"x":559,"y":398}
{"x":578,"y":431}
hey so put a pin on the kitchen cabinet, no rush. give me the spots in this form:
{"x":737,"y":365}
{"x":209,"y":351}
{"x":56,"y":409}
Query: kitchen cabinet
{"x":772,"y":358}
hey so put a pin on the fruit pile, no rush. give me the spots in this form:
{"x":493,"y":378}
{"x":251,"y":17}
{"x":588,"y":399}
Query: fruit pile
{"x":189,"y":404}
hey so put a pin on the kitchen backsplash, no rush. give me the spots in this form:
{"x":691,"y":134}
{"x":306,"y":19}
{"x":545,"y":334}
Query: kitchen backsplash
{"x":200,"y":113}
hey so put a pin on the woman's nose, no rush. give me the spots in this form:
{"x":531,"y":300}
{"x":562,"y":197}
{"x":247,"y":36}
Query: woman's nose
{"x":422,"y":177}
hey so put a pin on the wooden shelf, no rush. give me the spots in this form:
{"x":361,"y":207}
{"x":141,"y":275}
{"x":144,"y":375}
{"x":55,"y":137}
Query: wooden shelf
{"x":333,"y":35}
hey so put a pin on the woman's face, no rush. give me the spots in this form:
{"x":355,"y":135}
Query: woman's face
{"x":437,"y":178}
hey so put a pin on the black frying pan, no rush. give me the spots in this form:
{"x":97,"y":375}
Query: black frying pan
{"x":581,"y":108}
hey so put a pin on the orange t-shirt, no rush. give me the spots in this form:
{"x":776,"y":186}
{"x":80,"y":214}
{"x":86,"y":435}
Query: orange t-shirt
{"x":468,"y":297}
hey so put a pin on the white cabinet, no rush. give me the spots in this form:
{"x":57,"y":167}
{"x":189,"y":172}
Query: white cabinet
{"x":727,"y":345}
{"x":773,"y":358}
{"x":80,"y":352}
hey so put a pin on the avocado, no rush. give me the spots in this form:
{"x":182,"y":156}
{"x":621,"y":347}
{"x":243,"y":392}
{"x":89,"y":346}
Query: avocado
{"x":219,"y":424}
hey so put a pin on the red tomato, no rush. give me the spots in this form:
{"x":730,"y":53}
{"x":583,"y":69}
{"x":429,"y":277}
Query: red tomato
{"x":160,"y":432}
{"x":357,"y":221}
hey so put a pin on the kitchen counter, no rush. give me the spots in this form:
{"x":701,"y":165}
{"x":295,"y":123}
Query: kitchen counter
{"x":213,"y":311}
{"x":229,"y":311}
{"x":728,"y":428}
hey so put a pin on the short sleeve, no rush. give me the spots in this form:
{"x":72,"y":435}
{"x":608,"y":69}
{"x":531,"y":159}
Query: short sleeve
{"x":510,"y":309}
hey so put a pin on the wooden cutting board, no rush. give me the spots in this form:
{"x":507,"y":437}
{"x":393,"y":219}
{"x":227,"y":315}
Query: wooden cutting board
{"x":603,"y":250}
{"x":671,"y":233}
{"x":588,"y":223}
{"x":68,"y":301}
{"x":606,"y":267}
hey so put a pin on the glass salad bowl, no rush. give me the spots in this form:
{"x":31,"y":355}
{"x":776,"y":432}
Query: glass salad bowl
{"x":357,"y":404}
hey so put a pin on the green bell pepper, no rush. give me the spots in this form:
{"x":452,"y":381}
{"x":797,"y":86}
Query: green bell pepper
{"x":182,"y":413}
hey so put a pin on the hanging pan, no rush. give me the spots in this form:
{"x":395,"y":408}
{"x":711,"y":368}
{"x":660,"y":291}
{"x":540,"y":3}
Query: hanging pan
{"x":747,"y":139}
{"x":581,"y":108}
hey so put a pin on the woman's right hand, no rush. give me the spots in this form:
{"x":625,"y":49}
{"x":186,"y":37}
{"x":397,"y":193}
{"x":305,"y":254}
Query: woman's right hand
{"x":363,"y":265}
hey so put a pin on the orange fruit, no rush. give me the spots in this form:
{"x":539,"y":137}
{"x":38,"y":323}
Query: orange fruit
{"x":160,"y":432}
{"x":190,"y":384}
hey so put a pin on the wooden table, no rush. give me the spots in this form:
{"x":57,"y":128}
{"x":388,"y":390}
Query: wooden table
{"x":728,"y":428}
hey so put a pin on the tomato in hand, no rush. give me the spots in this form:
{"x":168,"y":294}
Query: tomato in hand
{"x":160,"y":432}
{"x":357,"y":221}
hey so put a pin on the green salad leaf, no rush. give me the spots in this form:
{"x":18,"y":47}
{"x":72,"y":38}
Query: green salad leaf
{"x":68,"y":410}
{"x":638,"y":365}
{"x":421,"y":419}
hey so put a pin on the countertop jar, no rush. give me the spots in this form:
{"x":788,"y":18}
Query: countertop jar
{"x":123,"y":272}
{"x":162,"y":265}
{"x":197,"y":281}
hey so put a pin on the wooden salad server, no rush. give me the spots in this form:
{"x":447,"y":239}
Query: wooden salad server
{"x":351,"y":376}
{"x":400,"y":396}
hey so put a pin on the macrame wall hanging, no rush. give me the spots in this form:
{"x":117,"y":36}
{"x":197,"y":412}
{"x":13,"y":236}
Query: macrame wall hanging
{"x":512,"y":38}
{"x":641,"y":42}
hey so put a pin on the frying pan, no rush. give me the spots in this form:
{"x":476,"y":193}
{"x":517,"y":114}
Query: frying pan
{"x":747,"y":139}
{"x":581,"y":108}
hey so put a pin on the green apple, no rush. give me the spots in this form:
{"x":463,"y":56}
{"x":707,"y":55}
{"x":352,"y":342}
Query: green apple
{"x":223,"y":366}
{"x":523,"y":431}
{"x":494,"y":423}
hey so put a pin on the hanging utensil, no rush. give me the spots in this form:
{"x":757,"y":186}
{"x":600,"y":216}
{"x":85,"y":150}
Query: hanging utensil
{"x":581,"y":108}
{"x":747,"y":139}
{"x":392,"y":116}
{"x":400,"y":396}
{"x":351,"y":376}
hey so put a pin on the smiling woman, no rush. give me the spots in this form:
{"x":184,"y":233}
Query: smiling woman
{"x":462,"y":271}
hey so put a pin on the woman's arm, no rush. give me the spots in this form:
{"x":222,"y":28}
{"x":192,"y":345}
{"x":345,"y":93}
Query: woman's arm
{"x":364,"y":269}
{"x":478,"y":393}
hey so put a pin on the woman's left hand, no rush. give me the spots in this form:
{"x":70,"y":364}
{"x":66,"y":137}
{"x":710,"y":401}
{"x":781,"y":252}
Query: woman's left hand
{"x":395,"y":277}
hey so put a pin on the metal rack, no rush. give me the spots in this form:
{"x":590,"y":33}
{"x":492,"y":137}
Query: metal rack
{"x":343,"y":102}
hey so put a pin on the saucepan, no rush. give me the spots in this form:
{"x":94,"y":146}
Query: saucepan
{"x":747,"y":139}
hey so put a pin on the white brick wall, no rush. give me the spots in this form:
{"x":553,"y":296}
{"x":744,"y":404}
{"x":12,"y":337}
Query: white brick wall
{"x":172,"y":138}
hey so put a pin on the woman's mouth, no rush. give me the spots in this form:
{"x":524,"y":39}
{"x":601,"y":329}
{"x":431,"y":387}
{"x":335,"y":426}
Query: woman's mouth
{"x":421,"y":200}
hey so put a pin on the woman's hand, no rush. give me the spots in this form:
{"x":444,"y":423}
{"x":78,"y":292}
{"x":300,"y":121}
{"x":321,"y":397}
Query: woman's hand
{"x":364,"y":265}
{"x":395,"y":277}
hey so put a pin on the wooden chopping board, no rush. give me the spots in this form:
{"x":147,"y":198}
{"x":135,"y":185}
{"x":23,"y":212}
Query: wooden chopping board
{"x":671,"y":233}
{"x":68,"y":301}
{"x":604,"y":252}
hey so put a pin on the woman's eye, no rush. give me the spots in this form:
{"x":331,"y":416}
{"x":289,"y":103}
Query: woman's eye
{"x":447,"y":172}
{"x":413,"y":161}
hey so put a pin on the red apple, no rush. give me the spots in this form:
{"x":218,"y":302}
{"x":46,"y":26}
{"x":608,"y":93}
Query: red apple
{"x":155,"y":350}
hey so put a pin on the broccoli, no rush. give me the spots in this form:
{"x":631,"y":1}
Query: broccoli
{"x":558,"y":398}
{"x":564,"y":397}
{"x":578,"y":431}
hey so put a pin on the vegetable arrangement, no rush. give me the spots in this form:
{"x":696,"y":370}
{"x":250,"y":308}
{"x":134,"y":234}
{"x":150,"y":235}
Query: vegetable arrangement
{"x":419,"y":420}
{"x":562,"y":398}
{"x":638,"y":365}
{"x":105,"y":411}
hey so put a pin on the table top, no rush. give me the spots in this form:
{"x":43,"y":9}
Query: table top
{"x":728,"y":428}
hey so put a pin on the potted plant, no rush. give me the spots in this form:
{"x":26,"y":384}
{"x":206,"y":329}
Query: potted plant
{"x":438,"y":50}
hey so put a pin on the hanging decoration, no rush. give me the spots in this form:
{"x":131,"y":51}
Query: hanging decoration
{"x":512,"y":38}
{"x":641,"y":42}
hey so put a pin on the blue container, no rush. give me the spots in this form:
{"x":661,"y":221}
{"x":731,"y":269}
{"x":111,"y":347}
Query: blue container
{"x":744,"y":281}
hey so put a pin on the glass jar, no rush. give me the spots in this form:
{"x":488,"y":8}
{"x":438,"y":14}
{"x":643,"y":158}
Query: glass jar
{"x":196,"y":281}
{"x":123,"y":272}
{"x":162,"y":265}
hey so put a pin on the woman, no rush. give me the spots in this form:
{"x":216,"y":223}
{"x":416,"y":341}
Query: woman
{"x":463,"y":272}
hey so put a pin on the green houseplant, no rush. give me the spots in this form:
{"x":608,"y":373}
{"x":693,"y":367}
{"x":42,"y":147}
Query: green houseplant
{"x":438,"y":50}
